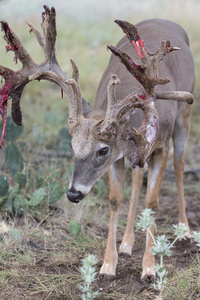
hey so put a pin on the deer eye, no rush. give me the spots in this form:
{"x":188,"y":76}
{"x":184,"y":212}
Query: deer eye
{"x":103,"y":151}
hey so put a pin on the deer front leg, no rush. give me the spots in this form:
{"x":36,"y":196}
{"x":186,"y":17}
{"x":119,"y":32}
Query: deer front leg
{"x":157,"y":165}
{"x":128,"y":238}
{"x":116,"y":176}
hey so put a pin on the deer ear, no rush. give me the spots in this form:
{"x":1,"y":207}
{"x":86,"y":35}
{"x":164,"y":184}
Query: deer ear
{"x":86,"y":109}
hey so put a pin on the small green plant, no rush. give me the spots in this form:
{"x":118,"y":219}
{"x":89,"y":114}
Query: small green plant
{"x":145,"y":220}
{"x":74,"y":228}
{"x":4,"y":185}
{"x":88,"y":273}
{"x":25,"y":197}
{"x":196,"y":236}
{"x":161,"y":247}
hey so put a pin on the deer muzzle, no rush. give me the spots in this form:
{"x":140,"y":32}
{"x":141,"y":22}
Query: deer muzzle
{"x":74,"y":196}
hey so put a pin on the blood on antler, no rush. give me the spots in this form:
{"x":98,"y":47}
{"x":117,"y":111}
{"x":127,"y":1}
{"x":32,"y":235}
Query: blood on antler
{"x":49,"y":69}
{"x":147,"y":75}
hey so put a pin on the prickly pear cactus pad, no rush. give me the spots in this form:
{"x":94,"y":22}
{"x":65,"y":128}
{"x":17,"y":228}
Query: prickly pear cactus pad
{"x":3,"y":185}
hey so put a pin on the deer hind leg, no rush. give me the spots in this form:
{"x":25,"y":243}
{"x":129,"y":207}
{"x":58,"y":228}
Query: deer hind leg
{"x":180,"y":136}
{"x":128,"y":238}
{"x":116,"y":177}
{"x":157,"y":165}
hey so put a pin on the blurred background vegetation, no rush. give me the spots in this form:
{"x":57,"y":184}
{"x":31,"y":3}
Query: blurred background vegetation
{"x":84,"y":28}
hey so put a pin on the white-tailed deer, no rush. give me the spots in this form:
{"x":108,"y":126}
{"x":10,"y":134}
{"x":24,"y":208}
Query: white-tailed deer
{"x":128,"y":121}
{"x":136,"y":126}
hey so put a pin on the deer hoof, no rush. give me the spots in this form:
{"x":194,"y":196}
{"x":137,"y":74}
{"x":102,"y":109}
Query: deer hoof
{"x":148,"y":275}
{"x":125,"y":254}
{"x":148,"y":278}
{"x":127,"y":245}
{"x":108,"y":270}
{"x":106,"y":277}
{"x":187,"y":235}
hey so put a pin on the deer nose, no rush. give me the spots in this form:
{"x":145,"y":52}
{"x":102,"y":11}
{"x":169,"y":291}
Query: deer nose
{"x":74,"y":196}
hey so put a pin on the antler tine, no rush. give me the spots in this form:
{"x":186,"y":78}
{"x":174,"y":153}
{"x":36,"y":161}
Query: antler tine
{"x":75,"y":73}
{"x":49,"y":28}
{"x":111,"y":97}
{"x":155,"y":59}
{"x":104,"y":129}
{"x":47,"y":42}
{"x":15,"y":45}
{"x":176,"y":96}
{"x":131,"y":32}
{"x":37,"y":34}
{"x":75,"y":99}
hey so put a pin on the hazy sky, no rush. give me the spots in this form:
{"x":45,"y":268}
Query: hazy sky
{"x":171,"y":9}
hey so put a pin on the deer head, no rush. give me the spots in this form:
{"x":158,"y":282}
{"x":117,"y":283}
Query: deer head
{"x":95,"y":139}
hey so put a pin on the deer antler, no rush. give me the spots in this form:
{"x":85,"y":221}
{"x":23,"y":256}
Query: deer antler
{"x":147,"y":75}
{"x":106,"y":129}
{"x":75,"y":101}
{"x":49,"y":69}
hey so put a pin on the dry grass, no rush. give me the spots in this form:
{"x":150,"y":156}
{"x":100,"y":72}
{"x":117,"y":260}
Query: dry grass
{"x":41,"y":262}
{"x":184,"y":284}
